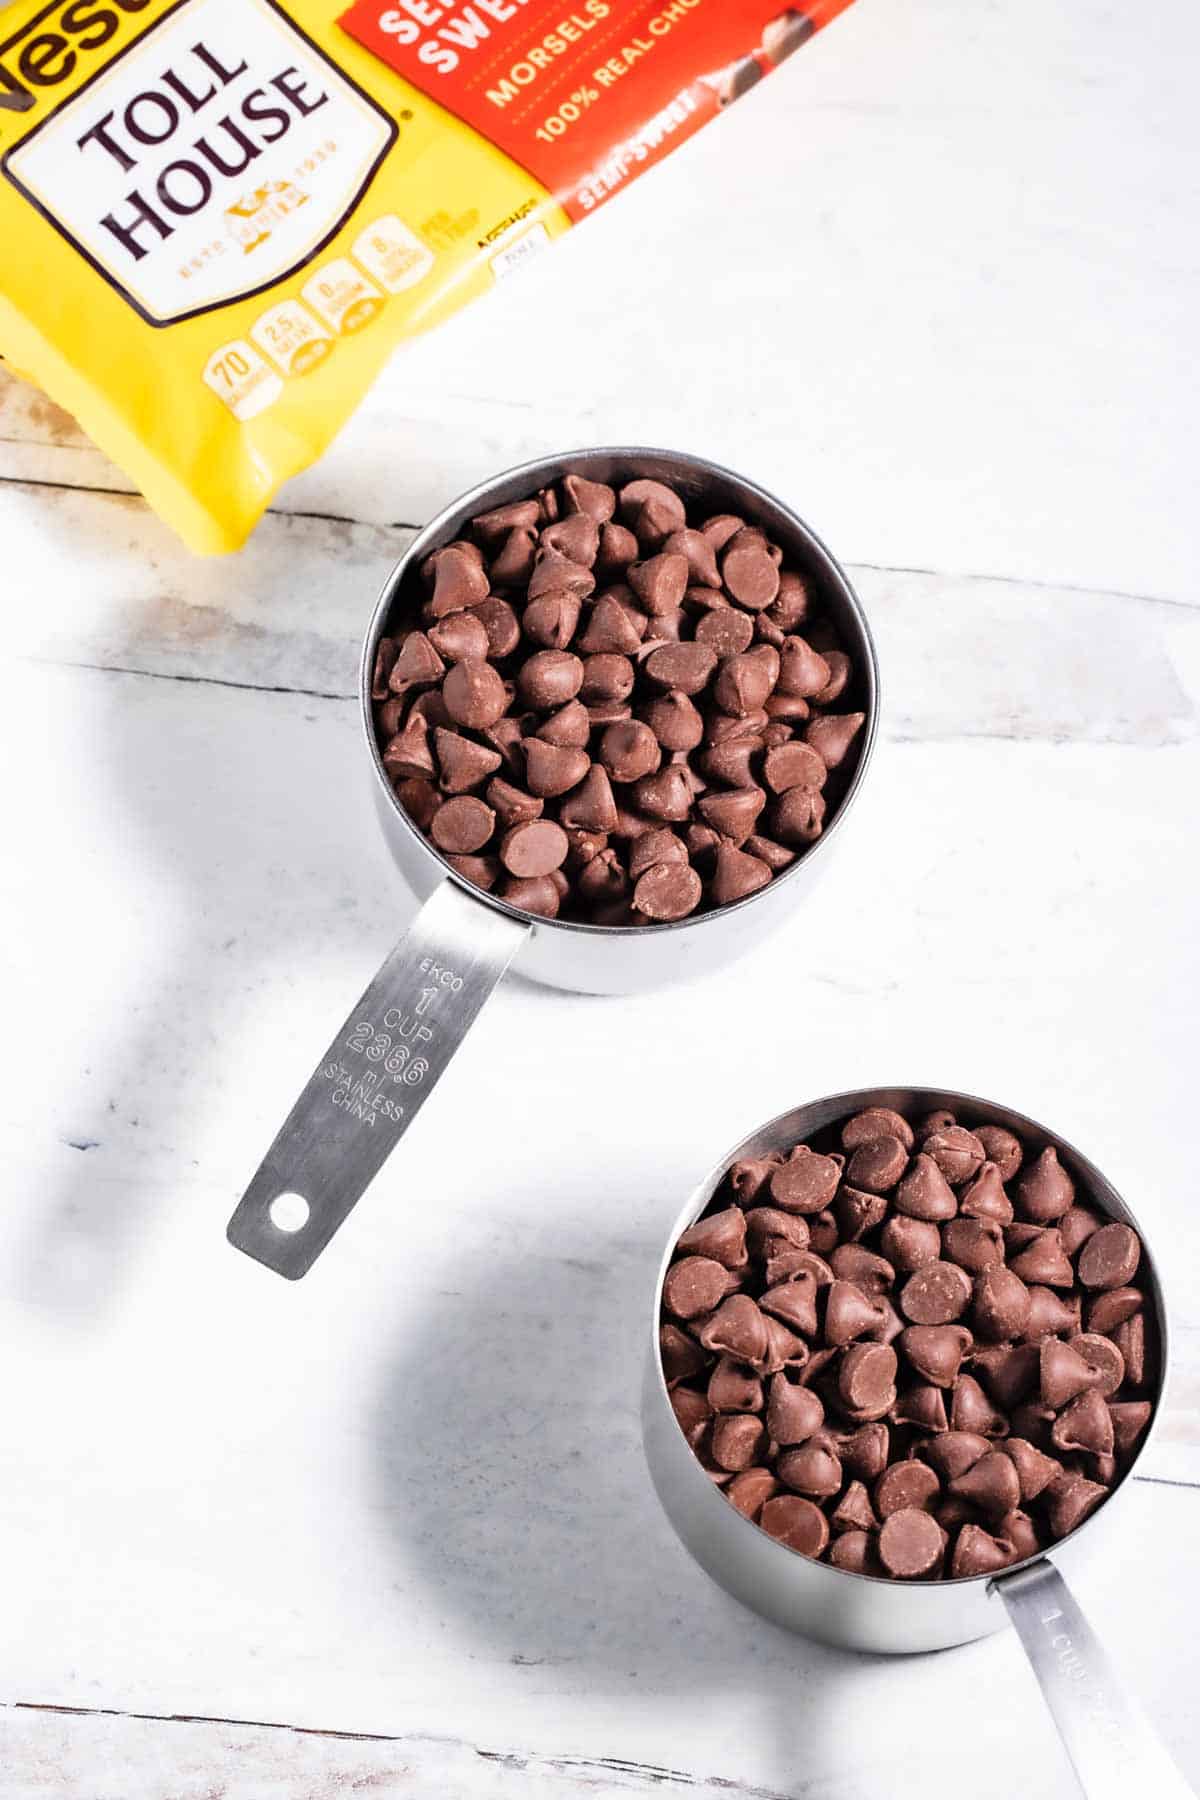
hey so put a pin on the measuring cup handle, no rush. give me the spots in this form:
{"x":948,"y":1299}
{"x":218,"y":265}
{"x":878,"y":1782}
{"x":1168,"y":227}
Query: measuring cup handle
{"x":373,"y":1080}
{"x":1110,"y":1743}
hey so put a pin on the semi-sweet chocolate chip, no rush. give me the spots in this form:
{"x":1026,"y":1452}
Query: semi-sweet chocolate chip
{"x":906,"y":1345}
{"x":595,"y":658}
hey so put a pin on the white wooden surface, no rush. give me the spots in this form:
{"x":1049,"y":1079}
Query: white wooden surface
{"x":937,"y":284}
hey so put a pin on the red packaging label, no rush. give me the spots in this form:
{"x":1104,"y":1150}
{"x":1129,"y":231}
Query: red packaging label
{"x":585,"y":94}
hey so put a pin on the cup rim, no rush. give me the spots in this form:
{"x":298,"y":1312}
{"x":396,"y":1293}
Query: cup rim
{"x":1101,"y":1193}
{"x":539,"y":471}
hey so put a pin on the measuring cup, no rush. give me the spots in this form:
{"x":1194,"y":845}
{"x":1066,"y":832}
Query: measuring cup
{"x":400,"y":1038}
{"x":1106,"y":1736}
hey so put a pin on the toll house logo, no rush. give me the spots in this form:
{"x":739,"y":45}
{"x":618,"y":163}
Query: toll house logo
{"x":220,"y":131}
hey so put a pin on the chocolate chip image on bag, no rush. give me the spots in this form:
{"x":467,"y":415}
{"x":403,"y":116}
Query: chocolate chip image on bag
{"x":219,"y":220}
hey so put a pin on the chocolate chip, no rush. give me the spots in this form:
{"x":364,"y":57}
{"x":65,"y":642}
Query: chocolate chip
{"x":811,"y":1469}
{"x":459,"y":579}
{"x":957,"y":1152}
{"x":607,"y":679}
{"x":629,"y":750}
{"x":1072,"y":1499}
{"x":924,"y":1193}
{"x":858,"y":1212}
{"x":854,"y":1551}
{"x":734,"y":815}
{"x":936,"y":1351}
{"x":911,"y":1544}
{"x":697,"y":1286}
{"x":539,"y":895}
{"x":551,"y":620}
{"x":668,"y":891}
{"x":1034,"y":1470}
{"x":1044,"y":1260}
{"x":484,"y":871}
{"x":876,"y":1122}
{"x":511,"y":804}
{"x":1085,"y":1424}
{"x":1044,"y":1189}
{"x":737,"y":1441}
{"x":906,"y":1484}
{"x":974,"y":1244}
{"x":849,"y":1314}
{"x":591,"y":806}
{"x":652,"y":508}
{"x":1000,"y":1308}
{"x":417,"y":664}
{"x":749,"y":1491}
{"x":798,"y":817}
{"x":1064,"y":1374}
{"x":1110,"y":1257}
{"x":977,"y":1552}
{"x":878,"y":1165}
{"x":682,"y":1357}
{"x":1049,"y":1315}
{"x":748,"y":570}
{"x":806,"y":1182}
{"x":493,"y":527}
{"x":474,"y":693}
{"x":951,"y":1453}
{"x":971,"y":1410}
{"x":985,"y":1198}
{"x":802,"y":670}
{"x":685,"y":668}
{"x":576,"y":536}
{"x":910,"y":1243}
{"x":550,"y":678}
{"x":1108,"y":1310}
{"x":463,"y":825}
{"x":991,"y":1484}
{"x":458,"y":636}
{"x":692,"y":1411}
{"x":726,"y":631}
{"x":1130,"y":1339}
{"x":660,"y":582}
{"x":794,"y":1413}
{"x":420,"y":800}
{"x":552,"y":770}
{"x":736,"y":874}
{"x":867,"y":1377}
{"x":796,"y":1522}
{"x":1001,"y":1147}
{"x":666,"y":795}
{"x":536,"y":848}
{"x":936,"y":1294}
{"x":742,"y":683}
{"x":603,"y":880}
{"x":1130,"y":1418}
{"x":833,"y":736}
{"x":923,"y":1406}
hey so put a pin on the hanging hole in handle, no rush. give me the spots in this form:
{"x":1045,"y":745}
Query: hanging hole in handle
{"x":289,"y":1213}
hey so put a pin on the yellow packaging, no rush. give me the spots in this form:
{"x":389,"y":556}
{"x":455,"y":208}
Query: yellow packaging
{"x":212,"y":326}
{"x":219,"y":217}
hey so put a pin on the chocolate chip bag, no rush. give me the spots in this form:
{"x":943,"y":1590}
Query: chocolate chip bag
{"x":219,"y":217}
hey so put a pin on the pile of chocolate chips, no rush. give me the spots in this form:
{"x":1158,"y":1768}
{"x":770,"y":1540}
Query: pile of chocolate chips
{"x":906,"y":1349}
{"x":611,"y":714}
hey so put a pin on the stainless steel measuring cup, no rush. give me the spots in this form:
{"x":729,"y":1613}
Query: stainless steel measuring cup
{"x":400,"y":1038}
{"x":1105,"y":1733}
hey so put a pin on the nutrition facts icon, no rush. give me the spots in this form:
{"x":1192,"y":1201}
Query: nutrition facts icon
{"x":393,"y":254}
{"x":343,"y":296}
{"x":241,"y":379}
{"x":292,"y":337}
